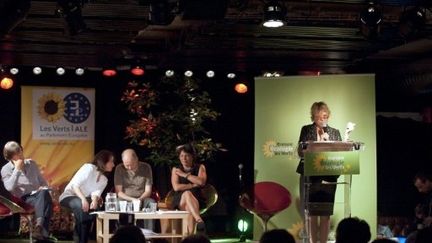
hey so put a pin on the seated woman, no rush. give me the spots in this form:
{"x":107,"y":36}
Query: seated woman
{"x":186,"y":181}
{"x":84,"y":190}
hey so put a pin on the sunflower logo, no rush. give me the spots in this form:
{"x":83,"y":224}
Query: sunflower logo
{"x":267,"y":149}
{"x":347,"y":168}
{"x":297,"y":230}
{"x":317,"y":163}
{"x":51,"y":107}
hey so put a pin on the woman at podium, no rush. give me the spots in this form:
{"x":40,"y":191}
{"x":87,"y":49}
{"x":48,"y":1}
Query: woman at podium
{"x":319,"y":197}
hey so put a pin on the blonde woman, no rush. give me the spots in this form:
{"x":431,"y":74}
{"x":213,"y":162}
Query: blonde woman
{"x":319,"y":194}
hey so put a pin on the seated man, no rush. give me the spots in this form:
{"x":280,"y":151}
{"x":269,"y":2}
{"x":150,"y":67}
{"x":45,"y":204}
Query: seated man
{"x":23,"y":179}
{"x":133,"y":180}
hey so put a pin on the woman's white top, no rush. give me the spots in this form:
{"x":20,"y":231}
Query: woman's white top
{"x":90,"y":181}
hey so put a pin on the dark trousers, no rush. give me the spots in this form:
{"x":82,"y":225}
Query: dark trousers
{"x":83,"y":220}
{"x":42,"y":203}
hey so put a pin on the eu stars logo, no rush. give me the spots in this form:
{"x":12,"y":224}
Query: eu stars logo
{"x":77,"y":108}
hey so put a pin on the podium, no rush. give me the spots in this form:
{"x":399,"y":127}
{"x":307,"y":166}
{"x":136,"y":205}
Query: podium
{"x":329,"y":158}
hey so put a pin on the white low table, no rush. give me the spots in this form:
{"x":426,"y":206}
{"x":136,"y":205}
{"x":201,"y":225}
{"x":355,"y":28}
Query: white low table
{"x":103,"y":218}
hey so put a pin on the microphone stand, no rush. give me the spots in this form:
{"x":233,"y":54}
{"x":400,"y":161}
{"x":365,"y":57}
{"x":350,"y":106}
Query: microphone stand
{"x":242,"y":237}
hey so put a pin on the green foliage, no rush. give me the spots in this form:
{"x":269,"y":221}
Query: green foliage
{"x":169,"y":113}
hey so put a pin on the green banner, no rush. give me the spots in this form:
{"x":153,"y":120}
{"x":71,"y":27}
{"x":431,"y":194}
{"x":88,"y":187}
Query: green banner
{"x":331,"y":163}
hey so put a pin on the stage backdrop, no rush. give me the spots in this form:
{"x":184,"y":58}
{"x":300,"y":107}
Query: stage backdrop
{"x":282,"y":107}
{"x":57,"y":129}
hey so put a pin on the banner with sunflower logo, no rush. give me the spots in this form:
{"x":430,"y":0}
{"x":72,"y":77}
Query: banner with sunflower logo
{"x":57,"y":129}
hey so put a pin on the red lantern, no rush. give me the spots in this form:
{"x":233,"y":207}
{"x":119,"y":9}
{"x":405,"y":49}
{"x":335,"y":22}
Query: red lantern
{"x":137,"y":71}
{"x":6,"y":83}
{"x":241,"y":88}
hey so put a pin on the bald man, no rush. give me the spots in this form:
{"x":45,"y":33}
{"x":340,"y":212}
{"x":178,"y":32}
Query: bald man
{"x":133,"y":180}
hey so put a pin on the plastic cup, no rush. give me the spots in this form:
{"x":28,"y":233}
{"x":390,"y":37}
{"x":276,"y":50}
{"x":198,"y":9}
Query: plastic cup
{"x":122,"y":205}
{"x":136,"y":205}
{"x":153,"y":207}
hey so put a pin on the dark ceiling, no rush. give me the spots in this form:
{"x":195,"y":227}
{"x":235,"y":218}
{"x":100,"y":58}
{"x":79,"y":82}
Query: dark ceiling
{"x":319,"y":36}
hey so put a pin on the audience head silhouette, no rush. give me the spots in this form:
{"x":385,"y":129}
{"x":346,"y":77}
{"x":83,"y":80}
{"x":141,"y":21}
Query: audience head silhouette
{"x":424,"y":235}
{"x":353,"y":230}
{"x":277,"y":236}
{"x":129,"y":234}
{"x":197,"y":238}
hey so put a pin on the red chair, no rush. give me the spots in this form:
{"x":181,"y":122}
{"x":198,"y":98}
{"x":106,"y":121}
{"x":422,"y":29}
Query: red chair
{"x":5,"y":211}
{"x":26,"y":211}
{"x":20,"y":208}
{"x":266,"y":200}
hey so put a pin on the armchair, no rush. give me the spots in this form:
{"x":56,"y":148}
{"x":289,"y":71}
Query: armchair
{"x":265,"y":200}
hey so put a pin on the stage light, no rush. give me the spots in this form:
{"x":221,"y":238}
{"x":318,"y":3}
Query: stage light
{"x":242,"y":226}
{"x":272,"y":74}
{"x":169,"y":73}
{"x":162,"y":12}
{"x":60,"y":71}
{"x":14,"y":71}
{"x":6,"y":83}
{"x":370,"y":19}
{"x":109,"y":72}
{"x":210,"y":74}
{"x":79,"y":71}
{"x":137,"y":71}
{"x":274,"y":14}
{"x":188,"y":73}
{"x":241,"y":88}
{"x":412,"y":21}
{"x":37,"y":70}
{"x":231,"y":75}
{"x":70,"y":10}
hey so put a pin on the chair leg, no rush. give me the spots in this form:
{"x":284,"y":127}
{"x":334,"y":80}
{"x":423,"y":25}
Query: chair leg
{"x":265,"y":224}
{"x":30,"y":220}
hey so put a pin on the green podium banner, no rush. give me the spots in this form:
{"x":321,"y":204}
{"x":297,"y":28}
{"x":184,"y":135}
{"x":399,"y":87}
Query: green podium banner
{"x":331,"y":163}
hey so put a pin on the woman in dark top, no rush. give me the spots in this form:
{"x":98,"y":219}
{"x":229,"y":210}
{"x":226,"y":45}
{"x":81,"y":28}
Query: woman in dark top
{"x":321,"y":196}
{"x":186,"y":180}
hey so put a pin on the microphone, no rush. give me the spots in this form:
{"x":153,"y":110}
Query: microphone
{"x":325,"y":127}
{"x":240,"y":166}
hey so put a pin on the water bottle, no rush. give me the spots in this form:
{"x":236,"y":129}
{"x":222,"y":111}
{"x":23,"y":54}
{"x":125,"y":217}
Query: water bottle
{"x":111,"y":202}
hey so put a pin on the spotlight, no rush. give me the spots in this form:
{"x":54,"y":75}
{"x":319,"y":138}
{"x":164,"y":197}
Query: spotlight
{"x":267,"y":74}
{"x":370,"y":19}
{"x":70,"y":10}
{"x":109,"y":72}
{"x":412,"y":21}
{"x":242,"y":226}
{"x":274,"y":14}
{"x":60,"y":71}
{"x":79,"y":71}
{"x":274,"y":74}
{"x":37,"y":70}
{"x":188,"y":73}
{"x":12,"y":13}
{"x":162,"y":12}
{"x":6,"y":83}
{"x":231,"y":75}
{"x":14,"y":71}
{"x":210,"y":74}
{"x":169,"y":73}
{"x":241,"y":88}
{"x":137,"y":71}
